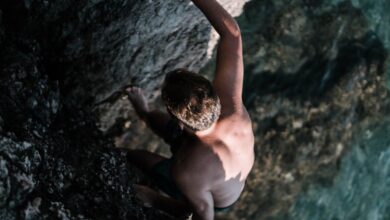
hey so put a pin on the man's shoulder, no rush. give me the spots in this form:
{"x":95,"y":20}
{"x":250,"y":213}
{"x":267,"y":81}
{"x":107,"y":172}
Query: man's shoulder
{"x":240,"y":116}
{"x":235,"y":123}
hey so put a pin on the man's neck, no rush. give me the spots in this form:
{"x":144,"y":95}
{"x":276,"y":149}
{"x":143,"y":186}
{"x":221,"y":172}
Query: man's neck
{"x":206,"y":132}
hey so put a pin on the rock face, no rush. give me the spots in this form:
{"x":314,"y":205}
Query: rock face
{"x":57,"y":59}
{"x":54,"y":163}
{"x":96,"y":47}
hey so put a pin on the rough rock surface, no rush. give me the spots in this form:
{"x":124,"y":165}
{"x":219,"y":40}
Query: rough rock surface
{"x":57,"y":59}
{"x":152,"y":39}
{"x":96,"y":47}
{"x":54,"y":163}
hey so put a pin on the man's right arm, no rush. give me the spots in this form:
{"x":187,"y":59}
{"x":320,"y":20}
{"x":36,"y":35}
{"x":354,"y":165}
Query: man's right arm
{"x":229,"y":75}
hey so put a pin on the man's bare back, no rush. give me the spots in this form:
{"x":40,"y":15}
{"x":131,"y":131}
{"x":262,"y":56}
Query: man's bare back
{"x":216,"y":161}
{"x":220,"y":158}
{"x":210,"y":165}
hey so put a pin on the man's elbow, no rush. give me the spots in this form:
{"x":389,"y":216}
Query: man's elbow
{"x":236,"y":32}
{"x":233,"y":31}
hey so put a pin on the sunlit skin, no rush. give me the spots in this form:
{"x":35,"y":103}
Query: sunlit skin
{"x":211,"y":165}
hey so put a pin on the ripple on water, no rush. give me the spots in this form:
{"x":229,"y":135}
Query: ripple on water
{"x":361,"y":191}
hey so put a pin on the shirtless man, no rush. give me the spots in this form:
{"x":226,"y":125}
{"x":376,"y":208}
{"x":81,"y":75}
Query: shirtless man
{"x":208,"y":128}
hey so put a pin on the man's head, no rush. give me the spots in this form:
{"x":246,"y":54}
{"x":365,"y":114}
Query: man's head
{"x":191,"y":99}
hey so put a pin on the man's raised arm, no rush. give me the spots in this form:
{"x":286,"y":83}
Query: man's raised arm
{"x":228,"y":80}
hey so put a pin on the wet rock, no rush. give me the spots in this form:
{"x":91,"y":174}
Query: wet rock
{"x":56,"y":60}
{"x":26,"y":93}
{"x":1,"y":28}
{"x":1,"y":124}
{"x":15,"y":183}
{"x":32,"y":211}
{"x":66,"y":171}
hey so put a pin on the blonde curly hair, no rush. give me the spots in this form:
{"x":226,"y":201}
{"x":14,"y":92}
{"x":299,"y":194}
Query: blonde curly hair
{"x":191,"y":98}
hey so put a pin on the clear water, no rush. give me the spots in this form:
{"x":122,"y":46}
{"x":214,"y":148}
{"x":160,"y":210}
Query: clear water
{"x":377,"y":13}
{"x":361,"y":190}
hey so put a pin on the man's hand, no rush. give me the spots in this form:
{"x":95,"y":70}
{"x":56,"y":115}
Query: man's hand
{"x":138,"y":99}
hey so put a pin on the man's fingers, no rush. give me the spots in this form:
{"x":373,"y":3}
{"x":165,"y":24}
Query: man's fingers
{"x":133,"y":89}
{"x":129,"y":89}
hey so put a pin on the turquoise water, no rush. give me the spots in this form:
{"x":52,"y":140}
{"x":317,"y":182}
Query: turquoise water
{"x":361,"y":191}
{"x":377,"y":13}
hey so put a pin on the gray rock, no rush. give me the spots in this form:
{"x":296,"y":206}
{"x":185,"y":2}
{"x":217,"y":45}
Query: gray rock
{"x":97,"y":47}
{"x":1,"y":124}
{"x":56,"y":60}
{"x":123,"y":42}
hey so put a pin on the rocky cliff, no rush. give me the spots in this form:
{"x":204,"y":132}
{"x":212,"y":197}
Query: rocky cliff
{"x":58,"y":59}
